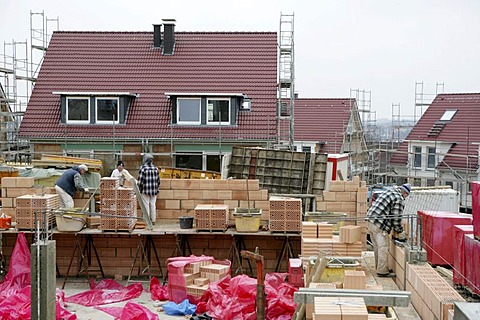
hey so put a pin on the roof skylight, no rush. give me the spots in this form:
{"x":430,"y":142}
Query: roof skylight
{"x":448,"y":115}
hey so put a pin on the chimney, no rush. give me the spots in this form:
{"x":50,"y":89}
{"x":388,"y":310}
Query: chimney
{"x":168,"y":36}
{"x":157,"y":38}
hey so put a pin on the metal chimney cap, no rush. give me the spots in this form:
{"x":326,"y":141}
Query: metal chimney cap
{"x":169,"y":21}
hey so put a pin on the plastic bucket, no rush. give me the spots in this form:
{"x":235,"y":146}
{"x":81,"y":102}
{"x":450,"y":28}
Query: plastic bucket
{"x":186,"y":222}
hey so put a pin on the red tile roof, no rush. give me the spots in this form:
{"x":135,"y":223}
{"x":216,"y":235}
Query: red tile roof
{"x":322,"y":120}
{"x":214,"y":62}
{"x":463,"y":130}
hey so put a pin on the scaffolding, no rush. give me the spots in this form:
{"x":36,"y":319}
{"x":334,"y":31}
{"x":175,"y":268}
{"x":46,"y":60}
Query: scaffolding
{"x":18,"y":71}
{"x":424,"y":100}
{"x":286,"y":83}
{"x":362,"y":132}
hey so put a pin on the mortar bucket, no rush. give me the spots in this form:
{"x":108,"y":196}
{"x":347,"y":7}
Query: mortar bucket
{"x":186,"y":222}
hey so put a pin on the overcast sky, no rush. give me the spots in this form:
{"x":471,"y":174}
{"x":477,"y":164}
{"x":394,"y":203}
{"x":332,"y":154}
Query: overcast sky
{"x":381,"y":46}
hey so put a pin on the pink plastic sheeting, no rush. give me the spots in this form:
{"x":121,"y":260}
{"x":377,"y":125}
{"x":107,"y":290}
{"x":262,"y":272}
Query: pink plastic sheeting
{"x":15,"y":289}
{"x":131,"y":311}
{"x":105,"y":292}
{"x":234,"y":298}
{"x":18,"y":275}
{"x":157,"y":291}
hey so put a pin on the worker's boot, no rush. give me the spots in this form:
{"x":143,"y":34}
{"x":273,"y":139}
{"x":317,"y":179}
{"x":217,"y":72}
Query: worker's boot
{"x":387,"y":275}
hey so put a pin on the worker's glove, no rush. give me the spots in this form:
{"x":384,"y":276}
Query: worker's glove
{"x":85,"y":190}
{"x":402,"y":236}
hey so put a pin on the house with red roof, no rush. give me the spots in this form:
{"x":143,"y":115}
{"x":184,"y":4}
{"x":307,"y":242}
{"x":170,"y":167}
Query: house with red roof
{"x":443,"y":146}
{"x":332,"y":126}
{"x":185,"y":97}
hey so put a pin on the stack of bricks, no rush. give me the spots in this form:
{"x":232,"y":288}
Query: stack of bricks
{"x":194,"y":277}
{"x":318,"y":237}
{"x":335,"y":308}
{"x":317,"y":285}
{"x":432,"y":296}
{"x":285,"y":215}
{"x":197,"y":282}
{"x":13,"y":187}
{"x":354,"y":279}
{"x":117,"y":201}
{"x":40,"y":207}
{"x":348,"y":197}
{"x":211,"y":217}
{"x":180,"y":197}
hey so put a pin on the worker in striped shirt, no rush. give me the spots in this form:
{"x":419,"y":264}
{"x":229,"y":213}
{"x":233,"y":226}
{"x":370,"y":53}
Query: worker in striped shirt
{"x":385,"y":215}
{"x":149,"y":184}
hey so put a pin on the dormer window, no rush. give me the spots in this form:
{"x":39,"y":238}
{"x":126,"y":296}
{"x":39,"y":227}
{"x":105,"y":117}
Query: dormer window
{"x":218,"y":111}
{"x":101,"y":108}
{"x":78,"y":110}
{"x":205,"y":108}
{"x":106,"y":110}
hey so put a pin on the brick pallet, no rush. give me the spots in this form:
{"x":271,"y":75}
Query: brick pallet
{"x":285,"y":215}
{"x":211,"y":217}
{"x":28,"y":205}
{"x":117,"y":201}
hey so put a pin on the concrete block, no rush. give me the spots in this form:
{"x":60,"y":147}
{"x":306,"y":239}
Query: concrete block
{"x":9,"y":182}
{"x":25,"y":182}
{"x":43,"y":259}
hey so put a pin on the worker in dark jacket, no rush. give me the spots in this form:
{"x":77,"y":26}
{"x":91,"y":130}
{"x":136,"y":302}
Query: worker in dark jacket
{"x":69,"y":182}
{"x":149,"y":185}
{"x":385,"y":215}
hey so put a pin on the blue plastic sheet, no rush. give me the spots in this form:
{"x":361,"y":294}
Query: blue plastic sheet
{"x":181,"y":309}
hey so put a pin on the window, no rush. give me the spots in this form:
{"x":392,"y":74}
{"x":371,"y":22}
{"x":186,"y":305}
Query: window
{"x":449,"y":183}
{"x":430,"y":182}
{"x":214,"y":162}
{"x":417,"y":182}
{"x":306,"y":149}
{"x":78,"y":110}
{"x":188,"y":110}
{"x":431,"y":161}
{"x":189,"y":161}
{"x":107,"y":110}
{"x":417,"y":154}
{"x":448,"y":115}
{"x":218,"y":111}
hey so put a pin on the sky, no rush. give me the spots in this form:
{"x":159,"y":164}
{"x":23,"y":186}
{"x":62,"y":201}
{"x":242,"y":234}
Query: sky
{"x":379,"y":46}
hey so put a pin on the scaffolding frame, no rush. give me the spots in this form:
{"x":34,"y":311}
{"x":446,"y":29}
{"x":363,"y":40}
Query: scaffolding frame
{"x":286,"y":83}
{"x":18,"y":71}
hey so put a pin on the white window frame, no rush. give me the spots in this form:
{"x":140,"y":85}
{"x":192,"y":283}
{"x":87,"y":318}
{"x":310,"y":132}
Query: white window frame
{"x":107,"y":121}
{"x":77,"y":121}
{"x":222,"y":123}
{"x":414,"y":164}
{"x":429,"y":155}
{"x":199,"y":112}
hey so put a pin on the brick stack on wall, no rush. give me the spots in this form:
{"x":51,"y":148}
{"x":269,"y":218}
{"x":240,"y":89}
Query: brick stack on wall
{"x":13,"y":187}
{"x":32,"y":208}
{"x":117,"y":201}
{"x":180,"y":197}
{"x":285,"y":214}
{"x":318,"y":237}
{"x":348,"y":197}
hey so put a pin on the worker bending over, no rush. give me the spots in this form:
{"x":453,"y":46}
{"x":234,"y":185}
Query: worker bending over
{"x":385,"y":215}
{"x":69,"y":182}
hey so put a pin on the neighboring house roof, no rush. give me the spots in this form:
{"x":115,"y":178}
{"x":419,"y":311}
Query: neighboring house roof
{"x":463,"y":130}
{"x":322,"y":120}
{"x":207,"y":62}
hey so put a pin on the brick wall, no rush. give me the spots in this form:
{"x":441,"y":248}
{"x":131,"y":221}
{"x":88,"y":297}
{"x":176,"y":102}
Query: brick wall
{"x":117,"y":251}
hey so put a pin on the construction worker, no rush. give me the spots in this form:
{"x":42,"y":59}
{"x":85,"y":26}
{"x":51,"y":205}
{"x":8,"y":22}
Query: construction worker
{"x":385,"y":215}
{"x":120,"y":173}
{"x":149,"y":184}
{"x":69,"y":182}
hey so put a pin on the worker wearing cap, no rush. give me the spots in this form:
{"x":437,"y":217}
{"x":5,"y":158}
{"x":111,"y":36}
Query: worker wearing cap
{"x":69,"y":182}
{"x":149,"y":184}
{"x":385,"y":215}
